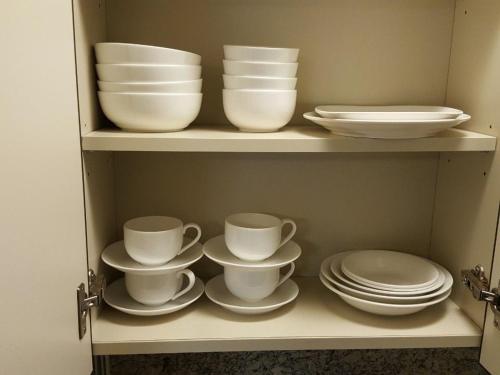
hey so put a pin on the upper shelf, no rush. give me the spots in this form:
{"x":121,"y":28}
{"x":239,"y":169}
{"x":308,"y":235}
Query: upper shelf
{"x":292,"y":139}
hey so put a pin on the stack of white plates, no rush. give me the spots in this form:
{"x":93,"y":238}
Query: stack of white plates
{"x":391,"y":122}
{"x":148,"y":88}
{"x":259,"y":87}
{"x":386,"y":282}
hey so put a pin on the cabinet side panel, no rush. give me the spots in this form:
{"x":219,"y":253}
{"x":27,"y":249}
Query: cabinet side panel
{"x":468,"y":188}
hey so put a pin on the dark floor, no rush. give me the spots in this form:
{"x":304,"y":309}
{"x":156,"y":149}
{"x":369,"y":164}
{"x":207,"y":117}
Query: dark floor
{"x":462,"y":361}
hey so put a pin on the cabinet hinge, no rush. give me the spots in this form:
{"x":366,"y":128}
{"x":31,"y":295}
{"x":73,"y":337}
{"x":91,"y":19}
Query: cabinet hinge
{"x":85,"y":301}
{"x":476,"y":281}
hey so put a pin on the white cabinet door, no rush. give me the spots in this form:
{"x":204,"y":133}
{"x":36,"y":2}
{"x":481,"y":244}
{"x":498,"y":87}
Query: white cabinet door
{"x":490,"y":348}
{"x":42,"y":227}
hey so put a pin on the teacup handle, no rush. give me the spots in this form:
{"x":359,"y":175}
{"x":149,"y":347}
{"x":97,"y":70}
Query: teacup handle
{"x":288,"y":275}
{"x":292,"y":232}
{"x":196,"y":239}
{"x":191,"y":278}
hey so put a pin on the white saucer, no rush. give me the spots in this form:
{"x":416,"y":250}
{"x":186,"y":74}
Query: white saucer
{"x":116,"y":256}
{"x":217,"y":250}
{"x":117,"y":297}
{"x":217,"y":292}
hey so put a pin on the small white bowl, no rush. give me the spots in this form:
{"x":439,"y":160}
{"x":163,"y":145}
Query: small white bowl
{"x":151,"y":87}
{"x":262,"y":69}
{"x":147,"y":73}
{"x":269,"y":54}
{"x":125,"y":53}
{"x":259,"y":83}
{"x":150,"y":112}
{"x":259,"y":110}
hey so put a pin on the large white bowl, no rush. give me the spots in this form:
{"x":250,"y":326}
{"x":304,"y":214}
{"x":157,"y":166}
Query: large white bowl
{"x":262,"y":69}
{"x":125,"y":53}
{"x":269,"y":54}
{"x":145,"y":112}
{"x":151,"y":87}
{"x":147,"y":73}
{"x":259,"y":83}
{"x":259,"y":110}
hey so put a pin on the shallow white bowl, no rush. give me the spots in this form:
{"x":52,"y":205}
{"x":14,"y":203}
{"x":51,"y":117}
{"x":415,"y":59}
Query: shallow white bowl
{"x":141,"y":112}
{"x":252,"y":82}
{"x":126,"y":53}
{"x":147,"y":73}
{"x":263,"y":69}
{"x":259,"y":110}
{"x":151,"y":87}
{"x":269,"y":54}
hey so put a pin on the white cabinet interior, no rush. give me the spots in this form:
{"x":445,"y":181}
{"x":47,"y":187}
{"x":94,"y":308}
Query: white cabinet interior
{"x":351,"y":53}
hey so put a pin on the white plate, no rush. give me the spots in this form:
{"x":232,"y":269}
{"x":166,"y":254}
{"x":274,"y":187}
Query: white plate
{"x":116,"y":256}
{"x":392,"y":112}
{"x":382,"y":308}
{"x":335,"y":261}
{"x":117,"y":297}
{"x":386,"y":129}
{"x":389,"y":270}
{"x":218,"y":293}
{"x":326,"y":272}
{"x":216,"y":250}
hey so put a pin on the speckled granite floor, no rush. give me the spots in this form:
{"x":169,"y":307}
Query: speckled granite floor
{"x":463,"y":361}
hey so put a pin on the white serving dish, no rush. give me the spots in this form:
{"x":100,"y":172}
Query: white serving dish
{"x":261,"y":69}
{"x":386,"y":129}
{"x":389,"y":270}
{"x":383,"y":308}
{"x":268,"y":54}
{"x":152,"y":87}
{"x":393,"y":112}
{"x":141,"y":112}
{"x":411,"y":299}
{"x":147,"y":73}
{"x":218,"y":293}
{"x":259,"y":110}
{"x":259,"y":83}
{"x":117,"y":297}
{"x":126,"y":53}
{"x":335,"y":268}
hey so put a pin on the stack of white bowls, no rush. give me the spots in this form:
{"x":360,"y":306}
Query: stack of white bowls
{"x":148,"y":88}
{"x":252,"y":253}
{"x":259,"y":87}
{"x":386,"y":282}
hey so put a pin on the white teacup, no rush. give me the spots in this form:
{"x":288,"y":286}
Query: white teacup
{"x":154,"y":240}
{"x":156,"y":290}
{"x":251,"y":284}
{"x":255,"y":237}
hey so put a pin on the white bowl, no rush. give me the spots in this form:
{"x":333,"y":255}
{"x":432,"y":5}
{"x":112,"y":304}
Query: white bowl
{"x":269,"y":54}
{"x":144,"y":112}
{"x":125,"y":53}
{"x":259,"y":110}
{"x":265,"y":69}
{"x":147,"y":73}
{"x":151,"y":87}
{"x":260,"y":83}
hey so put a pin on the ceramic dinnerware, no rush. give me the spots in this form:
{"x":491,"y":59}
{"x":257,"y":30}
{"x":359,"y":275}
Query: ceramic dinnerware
{"x":263,"y":69}
{"x":394,"y":112}
{"x":184,"y":87}
{"x":258,"y":83}
{"x":267,"y":54}
{"x":147,"y":72}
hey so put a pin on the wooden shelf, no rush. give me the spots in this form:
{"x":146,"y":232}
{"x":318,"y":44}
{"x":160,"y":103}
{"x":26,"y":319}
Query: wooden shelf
{"x":308,"y":138}
{"x":317,"y":320}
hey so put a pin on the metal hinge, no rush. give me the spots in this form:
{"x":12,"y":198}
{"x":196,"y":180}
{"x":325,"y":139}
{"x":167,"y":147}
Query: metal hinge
{"x":477,"y":282}
{"x":97,"y":284}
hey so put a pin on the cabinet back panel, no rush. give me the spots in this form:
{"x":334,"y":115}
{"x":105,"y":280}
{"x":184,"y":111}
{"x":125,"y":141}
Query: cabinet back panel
{"x":338,"y":201}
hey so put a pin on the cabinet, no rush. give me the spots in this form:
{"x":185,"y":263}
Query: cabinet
{"x":437,"y":197}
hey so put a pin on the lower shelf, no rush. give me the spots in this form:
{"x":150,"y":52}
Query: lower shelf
{"x":317,"y":320}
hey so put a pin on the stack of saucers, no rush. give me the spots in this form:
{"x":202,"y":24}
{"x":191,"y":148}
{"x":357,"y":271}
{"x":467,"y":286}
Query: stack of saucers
{"x":259,"y":87}
{"x":386,"y":282}
{"x":154,"y":257}
{"x":148,"y":88}
{"x":252,"y":253}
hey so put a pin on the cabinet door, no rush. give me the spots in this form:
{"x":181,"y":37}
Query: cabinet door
{"x":490,"y":349}
{"x":42,"y":227}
